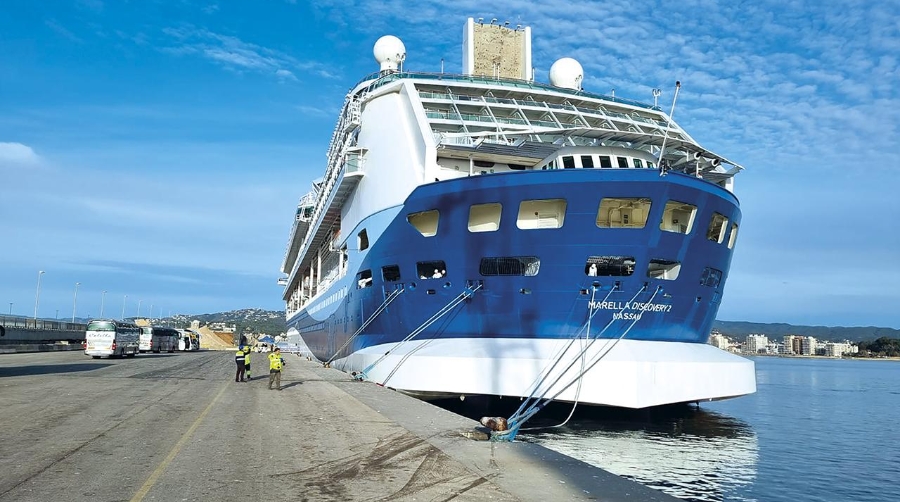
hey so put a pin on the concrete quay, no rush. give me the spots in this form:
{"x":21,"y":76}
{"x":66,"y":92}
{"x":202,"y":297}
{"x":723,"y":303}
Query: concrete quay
{"x":178,"y":427}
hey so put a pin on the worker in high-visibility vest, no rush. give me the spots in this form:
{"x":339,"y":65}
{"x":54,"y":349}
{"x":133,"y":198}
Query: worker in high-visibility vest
{"x":247,"y":361}
{"x":239,"y":357}
{"x":276,"y":363}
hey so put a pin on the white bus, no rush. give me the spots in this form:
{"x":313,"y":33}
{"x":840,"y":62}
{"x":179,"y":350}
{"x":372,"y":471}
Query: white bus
{"x":111,"y":338}
{"x":155,"y":339}
{"x":146,"y":339}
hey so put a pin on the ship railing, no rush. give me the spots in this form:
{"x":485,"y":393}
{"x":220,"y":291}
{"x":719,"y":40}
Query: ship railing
{"x":378,"y":80}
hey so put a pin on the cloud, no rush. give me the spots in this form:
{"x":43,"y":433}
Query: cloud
{"x":234,"y":54}
{"x":63,"y":31}
{"x":285,"y":75}
{"x":17,"y":154}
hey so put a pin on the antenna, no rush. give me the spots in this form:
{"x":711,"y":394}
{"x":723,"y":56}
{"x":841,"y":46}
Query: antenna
{"x":662,"y":151}
{"x":656,"y":95}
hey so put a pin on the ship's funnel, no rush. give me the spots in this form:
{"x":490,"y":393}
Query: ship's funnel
{"x":390,"y":52}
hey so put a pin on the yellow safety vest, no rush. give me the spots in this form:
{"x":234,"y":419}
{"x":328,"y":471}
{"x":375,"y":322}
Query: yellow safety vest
{"x":246,"y":355}
{"x":239,"y":356}
{"x":275,"y":361}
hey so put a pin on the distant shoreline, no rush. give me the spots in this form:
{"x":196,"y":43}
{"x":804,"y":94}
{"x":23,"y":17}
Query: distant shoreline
{"x":799,"y":356}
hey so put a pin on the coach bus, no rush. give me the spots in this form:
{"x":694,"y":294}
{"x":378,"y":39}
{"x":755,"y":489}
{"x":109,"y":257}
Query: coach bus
{"x":164,"y":339}
{"x":111,"y":338}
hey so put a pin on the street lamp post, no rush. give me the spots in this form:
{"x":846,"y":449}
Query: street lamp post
{"x":123,"y":306}
{"x":75,"y":300}
{"x":37,"y":296}
{"x":139,"y":307}
{"x":151,"y":312}
{"x":10,"y":308}
{"x":102,"y":298}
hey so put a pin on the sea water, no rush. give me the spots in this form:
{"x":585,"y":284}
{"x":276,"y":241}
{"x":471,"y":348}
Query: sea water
{"x":816,"y":430}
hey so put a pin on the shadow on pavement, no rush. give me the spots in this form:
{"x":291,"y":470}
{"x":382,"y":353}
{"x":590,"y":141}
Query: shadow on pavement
{"x":46,"y":369}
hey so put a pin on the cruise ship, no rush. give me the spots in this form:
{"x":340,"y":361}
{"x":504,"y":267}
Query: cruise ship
{"x":484,"y":233}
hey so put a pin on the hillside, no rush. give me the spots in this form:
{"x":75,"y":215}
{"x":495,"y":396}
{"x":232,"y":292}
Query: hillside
{"x":740,"y":329}
{"x":269,"y":322}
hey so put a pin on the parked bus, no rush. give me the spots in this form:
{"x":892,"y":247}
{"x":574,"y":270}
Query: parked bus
{"x":146,"y":338}
{"x":111,"y":338}
{"x":164,"y":339}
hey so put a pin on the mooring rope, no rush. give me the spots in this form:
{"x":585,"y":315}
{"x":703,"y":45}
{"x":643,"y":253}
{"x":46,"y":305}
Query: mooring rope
{"x":387,"y":301}
{"x":467,"y":293}
{"x":524,"y":413}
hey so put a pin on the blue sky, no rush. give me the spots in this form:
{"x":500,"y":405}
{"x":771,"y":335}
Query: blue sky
{"x":157,"y":149}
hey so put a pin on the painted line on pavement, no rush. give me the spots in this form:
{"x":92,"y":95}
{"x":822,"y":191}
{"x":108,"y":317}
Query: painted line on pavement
{"x":178,"y":446}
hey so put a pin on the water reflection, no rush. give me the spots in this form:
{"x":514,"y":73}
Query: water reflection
{"x":687,"y":452}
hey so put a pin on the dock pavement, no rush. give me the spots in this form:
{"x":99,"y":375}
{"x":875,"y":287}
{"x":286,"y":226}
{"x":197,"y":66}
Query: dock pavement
{"x":164,"y":427}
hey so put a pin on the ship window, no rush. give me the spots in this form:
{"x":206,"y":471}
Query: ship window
{"x":711,"y":277}
{"x":363,"y":239}
{"x":587,"y":161}
{"x":390,"y":273}
{"x":510,"y":265}
{"x":364,"y":279}
{"x":663,"y":269}
{"x":484,"y":217}
{"x":623,"y":162}
{"x":425,"y":222}
{"x":482,"y":163}
{"x":638,"y":163}
{"x":649,"y":163}
{"x":517,"y":167}
{"x":678,"y":217}
{"x":733,"y":237}
{"x":609,"y":266}
{"x":568,"y":162}
{"x":548,"y":213}
{"x":628,"y":212}
{"x":605,"y":161}
{"x":717,"y":225}
{"x":431,"y":269}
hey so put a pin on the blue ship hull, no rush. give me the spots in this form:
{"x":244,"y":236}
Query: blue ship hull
{"x":555,"y":303}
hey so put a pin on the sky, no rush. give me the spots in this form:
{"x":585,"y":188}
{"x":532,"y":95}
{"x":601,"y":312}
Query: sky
{"x":153,"y":152}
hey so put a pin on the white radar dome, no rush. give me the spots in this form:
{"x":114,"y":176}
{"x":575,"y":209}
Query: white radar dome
{"x":389,"y":51}
{"x":568,"y":73}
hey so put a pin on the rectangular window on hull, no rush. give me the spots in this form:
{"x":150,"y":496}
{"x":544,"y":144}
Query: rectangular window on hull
{"x":605,"y":161}
{"x":425,"y":222}
{"x":733,"y":237}
{"x":678,"y":217}
{"x":484,"y":217}
{"x":364,"y":279}
{"x":431,"y":269}
{"x":510,"y":265}
{"x":711,"y":277}
{"x":587,"y":161}
{"x":363,"y":239}
{"x":568,"y":162}
{"x":537,"y":214}
{"x":623,"y":212}
{"x":717,"y":225}
{"x":663,"y":269}
{"x":623,"y":162}
{"x":607,"y":266}
{"x":390,"y":273}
